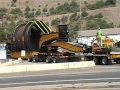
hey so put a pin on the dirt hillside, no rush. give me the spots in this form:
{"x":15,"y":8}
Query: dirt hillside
{"x":111,"y":14}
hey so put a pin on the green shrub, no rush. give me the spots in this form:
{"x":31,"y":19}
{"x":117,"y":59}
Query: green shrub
{"x":3,"y":11}
{"x":90,"y":17}
{"x":74,"y":6}
{"x":64,"y":19}
{"x":11,"y":26}
{"x":110,"y":2}
{"x":29,"y":14}
{"x":74,"y":17}
{"x":99,"y":4}
{"x":52,"y":10}
{"x":55,"y":22}
{"x":2,"y":34}
{"x":92,"y":24}
{"x":99,"y":15}
{"x":74,"y":27}
{"x":45,"y":9}
{"x":16,"y":11}
{"x":38,"y":12}
{"x":84,"y":14}
{"x":14,"y":1}
{"x":65,"y":8}
{"x":27,"y":9}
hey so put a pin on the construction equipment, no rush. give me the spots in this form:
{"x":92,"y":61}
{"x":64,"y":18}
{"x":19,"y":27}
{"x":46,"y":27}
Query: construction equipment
{"x":41,"y":44}
{"x":103,"y":54}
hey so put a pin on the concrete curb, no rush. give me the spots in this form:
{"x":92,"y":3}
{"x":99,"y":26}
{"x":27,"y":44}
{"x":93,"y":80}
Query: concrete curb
{"x":11,"y":62}
{"x":40,"y":67}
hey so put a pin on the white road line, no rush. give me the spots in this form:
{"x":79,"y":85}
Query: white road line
{"x":77,"y":74}
{"x":42,"y":82}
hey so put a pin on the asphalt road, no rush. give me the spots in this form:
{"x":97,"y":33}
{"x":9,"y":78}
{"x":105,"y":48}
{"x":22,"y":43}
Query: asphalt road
{"x":86,"y":75}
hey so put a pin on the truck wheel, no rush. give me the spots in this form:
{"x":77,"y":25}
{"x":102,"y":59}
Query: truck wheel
{"x":95,"y":59}
{"x":104,"y":61}
{"x":55,"y":59}
{"x":118,"y":62}
{"x":109,"y":62}
{"x":30,"y":59}
{"x":86,"y":59}
{"x":48,"y":59}
{"x":35,"y":59}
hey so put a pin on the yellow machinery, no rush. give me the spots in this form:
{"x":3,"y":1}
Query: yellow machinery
{"x":40,"y":43}
{"x":104,"y":54}
{"x":107,"y":42}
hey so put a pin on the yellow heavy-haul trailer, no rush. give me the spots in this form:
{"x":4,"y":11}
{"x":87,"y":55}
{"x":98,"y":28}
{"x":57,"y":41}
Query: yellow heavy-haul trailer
{"x":39,"y":43}
{"x":103,"y":54}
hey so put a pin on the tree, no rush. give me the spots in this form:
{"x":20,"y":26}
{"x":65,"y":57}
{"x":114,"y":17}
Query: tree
{"x":14,"y":1}
{"x":29,"y":14}
{"x":16,"y":11}
{"x":64,"y":19}
{"x":45,"y":9}
{"x":3,"y":11}
{"x":55,"y":22}
{"x":74,"y":6}
{"x":74,"y":27}
{"x":84,"y":14}
{"x":99,"y":4}
{"x":52,"y":10}
{"x":91,"y":25}
{"x":112,"y":2}
{"x":38,"y":12}
{"x":2,"y":34}
{"x":27,"y":9}
{"x":65,"y":8}
{"x":74,"y":17}
{"x":99,"y":15}
{"x":11,"y":27}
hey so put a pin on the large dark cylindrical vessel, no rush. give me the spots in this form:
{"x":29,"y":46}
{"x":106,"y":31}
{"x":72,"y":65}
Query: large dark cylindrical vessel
{"x":19,"y":35}
{"x":27,"y":37}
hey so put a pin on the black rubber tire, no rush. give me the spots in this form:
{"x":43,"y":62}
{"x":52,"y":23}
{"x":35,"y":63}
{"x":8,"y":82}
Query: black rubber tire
{"x":109,"y":62}
{"x":86,"y":59}
{"x":42,"y":58}
{"x":35,"y":59}
{"x":30,"y":59}
{"x":49,"y":59}
{"x":117,"y":61}
{"x":95,"y":59}
{"x":104,"y":61}
{"x":55,"y":59}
